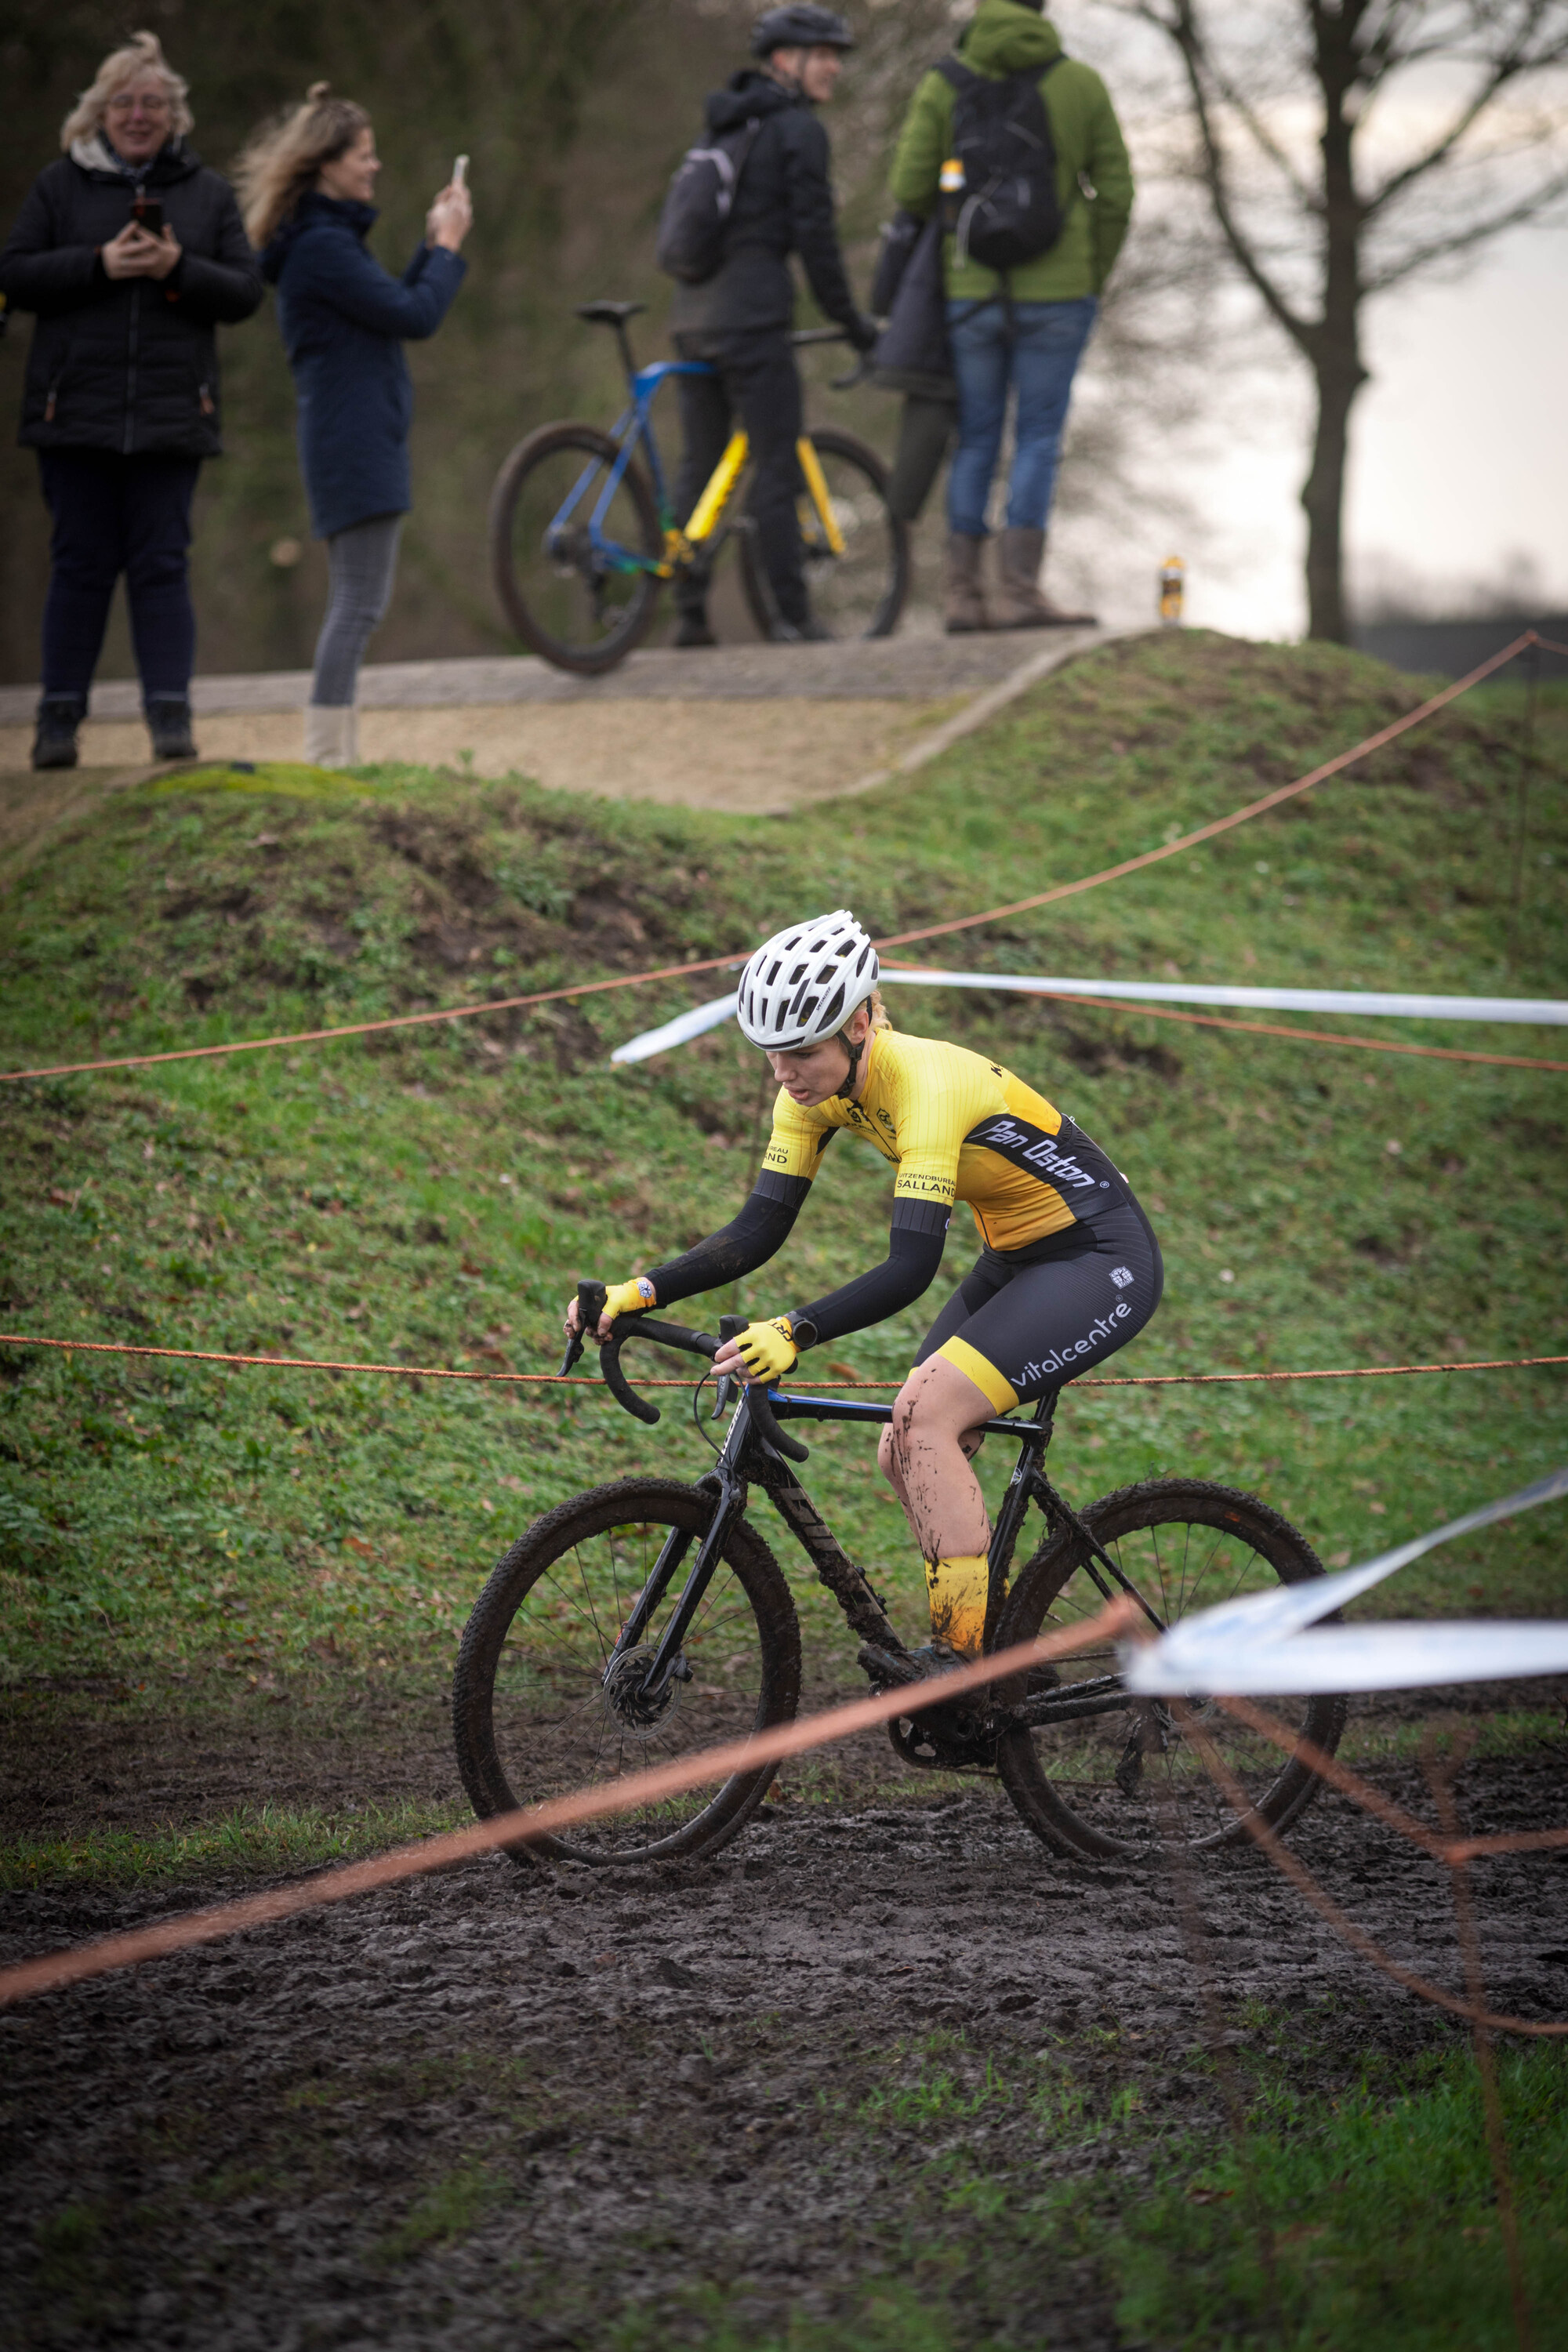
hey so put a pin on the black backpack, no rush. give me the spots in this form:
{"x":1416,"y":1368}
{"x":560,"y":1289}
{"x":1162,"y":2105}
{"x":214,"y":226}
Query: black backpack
{"x":697,"y":207}
{"x":1007,"y":211}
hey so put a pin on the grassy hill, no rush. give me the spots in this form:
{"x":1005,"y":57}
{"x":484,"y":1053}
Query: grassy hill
{"x":430,"y":1196}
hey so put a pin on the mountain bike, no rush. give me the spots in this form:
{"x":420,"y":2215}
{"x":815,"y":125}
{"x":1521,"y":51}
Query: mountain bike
{"x":647,"y":1619}
{"x":583,"y":535}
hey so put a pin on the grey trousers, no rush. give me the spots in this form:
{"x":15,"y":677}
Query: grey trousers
{"x":362,"y":562}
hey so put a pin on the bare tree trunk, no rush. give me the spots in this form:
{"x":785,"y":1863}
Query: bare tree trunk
{"x":1322,"y":495}
{"x":1333,"y":344}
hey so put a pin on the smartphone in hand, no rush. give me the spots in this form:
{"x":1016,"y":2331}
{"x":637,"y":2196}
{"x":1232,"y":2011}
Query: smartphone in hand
{"x":461,"y":172}
{"x":147,"y":212}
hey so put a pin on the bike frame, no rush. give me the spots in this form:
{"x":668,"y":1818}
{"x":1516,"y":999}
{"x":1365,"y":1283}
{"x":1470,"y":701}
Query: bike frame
{"x":633,"y":430}
{"x":745,"y":1456}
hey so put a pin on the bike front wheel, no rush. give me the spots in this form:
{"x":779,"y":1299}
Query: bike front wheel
{"x":1125,"y":1780}
{"x":536,"y":1714}
{"x":859,"y":591}
{"x":570,"y":547}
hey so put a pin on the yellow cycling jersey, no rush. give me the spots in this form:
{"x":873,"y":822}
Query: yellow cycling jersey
{"x":957,"y":1127}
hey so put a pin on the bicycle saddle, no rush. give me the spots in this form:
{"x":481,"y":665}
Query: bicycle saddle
{"x":609,"y":314}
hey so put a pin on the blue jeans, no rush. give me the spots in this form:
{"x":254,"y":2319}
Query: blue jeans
{"x":1040,"y":356}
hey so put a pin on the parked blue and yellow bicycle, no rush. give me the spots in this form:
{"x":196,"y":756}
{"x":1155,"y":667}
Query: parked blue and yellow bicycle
{"x":583,"y":535}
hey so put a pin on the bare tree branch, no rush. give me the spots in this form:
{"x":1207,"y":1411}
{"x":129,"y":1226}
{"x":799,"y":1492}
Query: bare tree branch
{"x":1504,"y":71}
{"x":1184,"y":32}
{"x":1425,"y":257}
{"x":1240,"y":105}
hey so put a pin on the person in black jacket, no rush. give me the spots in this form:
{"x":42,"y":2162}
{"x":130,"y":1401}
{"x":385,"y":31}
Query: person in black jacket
{"x":130,"y":252}
{"x":738,"y":318}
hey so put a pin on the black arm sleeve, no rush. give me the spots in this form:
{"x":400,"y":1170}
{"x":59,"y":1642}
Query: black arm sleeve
{"x":758,"y":1233}
{"x":914,"y":1253}
{"x":812,"y":224}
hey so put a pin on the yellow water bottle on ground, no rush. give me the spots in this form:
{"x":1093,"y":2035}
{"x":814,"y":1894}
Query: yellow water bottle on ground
{"x":1173,"y":580}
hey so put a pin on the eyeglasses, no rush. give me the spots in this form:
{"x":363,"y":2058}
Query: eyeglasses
{"x":127,"y":104}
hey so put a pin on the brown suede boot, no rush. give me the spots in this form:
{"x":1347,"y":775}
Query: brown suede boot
{"x":965,"y":605}
{"x":1022,"y":605}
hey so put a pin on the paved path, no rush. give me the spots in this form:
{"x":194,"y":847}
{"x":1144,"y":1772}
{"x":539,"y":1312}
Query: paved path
{"x":802,"y":723}
{"x":910,"y":668}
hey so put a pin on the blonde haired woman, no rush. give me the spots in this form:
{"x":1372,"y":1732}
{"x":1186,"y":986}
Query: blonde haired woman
{"x":130,"y":252}
{"x":308,"y":184}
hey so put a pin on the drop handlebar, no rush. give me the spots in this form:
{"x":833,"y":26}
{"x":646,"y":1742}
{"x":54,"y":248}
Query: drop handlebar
{"x":591,"y":1306}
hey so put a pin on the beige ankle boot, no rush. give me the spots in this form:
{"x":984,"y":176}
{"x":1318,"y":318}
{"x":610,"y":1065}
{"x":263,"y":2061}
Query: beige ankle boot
{"x":332,"y":735}
{"x":964,"y":602}
{"x":1021,"y":604}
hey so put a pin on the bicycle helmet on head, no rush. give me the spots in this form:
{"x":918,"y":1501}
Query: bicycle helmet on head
{"x":803,"y":984}
{"x":800,"y":28}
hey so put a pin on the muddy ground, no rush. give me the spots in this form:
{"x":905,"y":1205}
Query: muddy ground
{"x":493,"y":2108}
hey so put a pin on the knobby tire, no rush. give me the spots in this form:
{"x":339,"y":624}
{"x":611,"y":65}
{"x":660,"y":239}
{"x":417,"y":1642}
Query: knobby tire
{"x":533,"y":600}
{"x":550,"y":1728}
{"x":1038,"y":1763}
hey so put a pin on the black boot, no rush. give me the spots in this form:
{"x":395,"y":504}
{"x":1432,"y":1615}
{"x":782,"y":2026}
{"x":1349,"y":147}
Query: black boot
{"x":693,"y":629}
{"x":59,"y":716}
{"x":809,"y":632}
{"x":169,"y":725}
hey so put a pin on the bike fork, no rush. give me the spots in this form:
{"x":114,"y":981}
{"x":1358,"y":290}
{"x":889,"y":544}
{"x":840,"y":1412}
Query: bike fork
{"x":668,"y":1666}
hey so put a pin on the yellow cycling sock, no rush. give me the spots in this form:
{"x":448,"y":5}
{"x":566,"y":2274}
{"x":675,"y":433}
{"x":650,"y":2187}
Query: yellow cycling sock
{"x":957,"y":1589}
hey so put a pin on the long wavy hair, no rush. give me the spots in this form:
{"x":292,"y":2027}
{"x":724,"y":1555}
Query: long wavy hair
{"x":142,"y":54}
{"x":281,"y":162}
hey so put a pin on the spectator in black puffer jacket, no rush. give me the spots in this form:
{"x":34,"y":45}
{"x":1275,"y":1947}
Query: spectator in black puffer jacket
{"x":121,"y":397}
{"x":738,"y":318}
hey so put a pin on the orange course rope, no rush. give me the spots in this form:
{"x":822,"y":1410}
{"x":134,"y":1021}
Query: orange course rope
{"x":899,"y":938}
{"x":1369,"y":743}
{"x":563,"y":1379}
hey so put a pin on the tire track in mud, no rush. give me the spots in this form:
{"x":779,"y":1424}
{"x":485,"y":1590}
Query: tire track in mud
{"x":499,"y":2109}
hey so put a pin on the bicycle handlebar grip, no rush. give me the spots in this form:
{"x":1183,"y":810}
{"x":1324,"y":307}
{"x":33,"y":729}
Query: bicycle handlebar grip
{"x":730,"y":1328}
{"x":590,"y":1306}
{"x":616,"y":1380}
{"x":591,"y":1296}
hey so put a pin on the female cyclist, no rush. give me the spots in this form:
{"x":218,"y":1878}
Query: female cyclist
{"x":1069,"y":1271}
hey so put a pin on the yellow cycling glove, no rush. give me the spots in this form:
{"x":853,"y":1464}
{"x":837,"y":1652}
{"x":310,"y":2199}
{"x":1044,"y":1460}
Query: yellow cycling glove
{"x":768,"y":1349}
{"x":634,"y":1297}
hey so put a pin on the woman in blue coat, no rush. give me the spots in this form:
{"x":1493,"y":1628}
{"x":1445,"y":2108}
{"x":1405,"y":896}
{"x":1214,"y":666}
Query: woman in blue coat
{"x":308,"y":187}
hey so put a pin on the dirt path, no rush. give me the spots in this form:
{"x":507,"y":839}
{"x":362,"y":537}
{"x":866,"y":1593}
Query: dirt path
{"x":754,"y":729}
{"x":504,"y":2110}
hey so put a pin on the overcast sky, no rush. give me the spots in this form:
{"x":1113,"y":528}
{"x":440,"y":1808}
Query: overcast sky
{"x":1459,"y":443}
{"x":1459,"y":451}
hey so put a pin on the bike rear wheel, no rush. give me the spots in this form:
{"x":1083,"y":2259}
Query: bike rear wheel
{"x":584,"y":605}
{"x":532,"y":1714}
{"x":861,"y":593}
{"x":1185,"y":1546}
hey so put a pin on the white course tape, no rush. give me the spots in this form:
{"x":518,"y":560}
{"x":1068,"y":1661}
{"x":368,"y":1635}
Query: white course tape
{"x":680,"y":1031}
{"x":1546,"y":1011}
{"x":1543,"y":1012}
{"x":1256,"y":1644}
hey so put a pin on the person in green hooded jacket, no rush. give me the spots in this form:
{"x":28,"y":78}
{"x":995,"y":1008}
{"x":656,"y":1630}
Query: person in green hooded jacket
{"x":1022,"y":331}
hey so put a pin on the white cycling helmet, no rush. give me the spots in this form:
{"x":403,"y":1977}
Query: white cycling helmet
{"x":803,"y":984}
